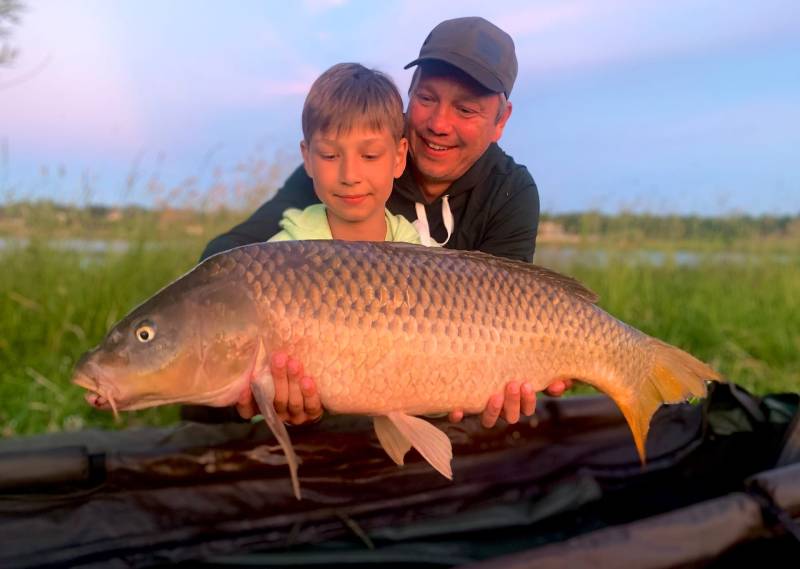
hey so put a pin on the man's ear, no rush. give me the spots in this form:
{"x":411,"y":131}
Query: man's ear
{"x":400,"y":157}
{"x":306,"y":152}
{"x":501,"y":124}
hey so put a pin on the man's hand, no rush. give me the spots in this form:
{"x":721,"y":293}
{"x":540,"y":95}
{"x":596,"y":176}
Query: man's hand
{"x":517,"y":399}
{"x":296,"y":397}
{"x":558,"y":387}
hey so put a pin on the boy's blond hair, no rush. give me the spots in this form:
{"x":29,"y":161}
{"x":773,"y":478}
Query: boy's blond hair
{"x":349,"y":94}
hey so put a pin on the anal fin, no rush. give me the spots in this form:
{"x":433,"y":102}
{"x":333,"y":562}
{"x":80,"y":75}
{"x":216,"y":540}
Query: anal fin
{"x":432,"y":444}
{"x":393,"y":441}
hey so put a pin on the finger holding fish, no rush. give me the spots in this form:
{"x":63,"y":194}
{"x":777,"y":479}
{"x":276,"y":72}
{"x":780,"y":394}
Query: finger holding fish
{"x":456,"y":416}
{"x":559,"y":387}
{"x":516,"y":402}
{"x":312,"y":405}
{"x":492,"y":412}
{"x":295,"y":409}
{"x":511,"y":402}
{"x":278,"y":367}
{"x":297,"y":400}
{"x":245,"y":405}
{"x":528,"y":396}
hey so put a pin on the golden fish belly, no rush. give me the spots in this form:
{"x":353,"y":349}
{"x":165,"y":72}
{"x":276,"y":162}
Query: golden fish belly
{"x":439,"y":371}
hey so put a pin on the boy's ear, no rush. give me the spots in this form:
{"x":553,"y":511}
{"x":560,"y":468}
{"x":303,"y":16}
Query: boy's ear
{"x":306,"y":152}
{"x":400,"y":157}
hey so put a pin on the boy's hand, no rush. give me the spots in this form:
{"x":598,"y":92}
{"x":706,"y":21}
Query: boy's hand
{"x":296,"y":397}
{"x":517,"y":399}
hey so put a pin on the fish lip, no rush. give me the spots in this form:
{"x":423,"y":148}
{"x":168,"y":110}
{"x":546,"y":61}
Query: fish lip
{"x":98,"y":390}
{"x":85,"y":381}
{"x":93,"y":395}
{"x":97,"y":401}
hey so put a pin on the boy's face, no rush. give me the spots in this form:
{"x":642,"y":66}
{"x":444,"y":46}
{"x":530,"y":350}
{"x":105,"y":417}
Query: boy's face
{"x":353,"y":172}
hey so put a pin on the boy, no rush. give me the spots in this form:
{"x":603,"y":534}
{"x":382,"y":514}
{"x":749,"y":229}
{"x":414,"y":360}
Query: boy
{"x":353,"y":148}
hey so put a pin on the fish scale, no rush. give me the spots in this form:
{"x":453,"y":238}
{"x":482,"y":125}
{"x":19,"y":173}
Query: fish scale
{"x":385,"y":329}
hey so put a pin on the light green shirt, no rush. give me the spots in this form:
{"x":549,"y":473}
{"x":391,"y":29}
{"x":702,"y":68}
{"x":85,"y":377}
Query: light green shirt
{"x":312,"y":223}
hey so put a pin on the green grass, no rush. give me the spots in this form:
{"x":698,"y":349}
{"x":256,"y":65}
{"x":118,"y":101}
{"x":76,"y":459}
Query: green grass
{"x":57,"y":304}
{"x":742,"y":318}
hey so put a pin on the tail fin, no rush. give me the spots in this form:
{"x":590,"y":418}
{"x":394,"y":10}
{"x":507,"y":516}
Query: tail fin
{"x":674,"y":376}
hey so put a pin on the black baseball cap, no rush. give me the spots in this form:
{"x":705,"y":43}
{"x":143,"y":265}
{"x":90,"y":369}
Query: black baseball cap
{"x":475,"y":46}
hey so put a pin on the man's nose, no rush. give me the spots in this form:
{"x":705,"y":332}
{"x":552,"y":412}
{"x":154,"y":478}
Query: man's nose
{"x":350,"y":170}
{"x":440,"y":120}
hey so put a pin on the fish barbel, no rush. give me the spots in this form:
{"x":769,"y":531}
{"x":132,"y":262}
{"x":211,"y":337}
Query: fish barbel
{"x":385,"y":329}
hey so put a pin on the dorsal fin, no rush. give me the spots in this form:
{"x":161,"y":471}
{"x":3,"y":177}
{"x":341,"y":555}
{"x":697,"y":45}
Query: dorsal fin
{"x":558,"y":280}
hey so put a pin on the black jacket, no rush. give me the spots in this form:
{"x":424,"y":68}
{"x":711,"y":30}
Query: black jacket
{"x":495,"y":205}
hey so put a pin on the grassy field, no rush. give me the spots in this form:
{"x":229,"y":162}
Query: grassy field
{"x":743,"y":317}
{"x":56,"y":304}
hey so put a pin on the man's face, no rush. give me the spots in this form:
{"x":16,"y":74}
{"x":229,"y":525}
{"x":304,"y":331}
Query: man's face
{"x":450,"y":124}
{"x":353,"y":172}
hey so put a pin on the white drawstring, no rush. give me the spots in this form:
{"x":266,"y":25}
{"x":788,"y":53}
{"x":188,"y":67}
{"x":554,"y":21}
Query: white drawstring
{"x":422,"y":224}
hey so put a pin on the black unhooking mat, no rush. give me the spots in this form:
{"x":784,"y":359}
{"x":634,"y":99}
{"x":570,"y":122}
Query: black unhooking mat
{"x":721,"y":486}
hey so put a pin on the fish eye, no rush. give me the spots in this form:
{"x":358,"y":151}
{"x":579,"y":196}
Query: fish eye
{"x":145,"y":332}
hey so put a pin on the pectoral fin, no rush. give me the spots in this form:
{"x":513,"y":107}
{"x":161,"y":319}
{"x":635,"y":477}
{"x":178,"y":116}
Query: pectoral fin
{"x":264,"y":391}
{"x":393,"y":442}
{"x":432,"y":444}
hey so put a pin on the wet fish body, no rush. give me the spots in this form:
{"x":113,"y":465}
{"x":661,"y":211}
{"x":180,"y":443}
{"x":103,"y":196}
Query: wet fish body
{"x":385,"y":329}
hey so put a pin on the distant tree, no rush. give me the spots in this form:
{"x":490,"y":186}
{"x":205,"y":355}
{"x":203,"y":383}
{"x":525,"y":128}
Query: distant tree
{"x":10,"y":11}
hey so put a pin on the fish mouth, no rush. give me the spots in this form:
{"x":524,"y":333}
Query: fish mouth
{"x":85,"y":381}
{"x":97,"y":396}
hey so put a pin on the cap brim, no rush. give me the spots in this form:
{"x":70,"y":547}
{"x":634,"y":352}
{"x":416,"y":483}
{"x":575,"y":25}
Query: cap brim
{"x":477,"y":72}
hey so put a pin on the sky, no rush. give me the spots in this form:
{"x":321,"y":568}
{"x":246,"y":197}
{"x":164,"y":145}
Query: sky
{"x":680,"y":106}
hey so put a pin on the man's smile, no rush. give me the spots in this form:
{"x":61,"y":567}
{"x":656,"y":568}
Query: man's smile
{"x":436,"y":148}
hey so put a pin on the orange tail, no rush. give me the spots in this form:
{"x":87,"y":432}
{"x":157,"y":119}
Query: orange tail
{"x":674,"y":377}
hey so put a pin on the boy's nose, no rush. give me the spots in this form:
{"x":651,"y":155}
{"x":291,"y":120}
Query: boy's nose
{"x":350,"y":171}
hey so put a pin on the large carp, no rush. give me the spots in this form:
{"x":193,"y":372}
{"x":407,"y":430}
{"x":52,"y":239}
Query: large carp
{"x":385,"y":329}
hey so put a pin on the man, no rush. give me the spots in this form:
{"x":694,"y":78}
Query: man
{"x":458,"y":183}
{"x":459,"y":188}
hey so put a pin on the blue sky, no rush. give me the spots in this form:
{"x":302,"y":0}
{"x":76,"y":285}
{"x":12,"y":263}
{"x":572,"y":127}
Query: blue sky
{"x":686,"y":106}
